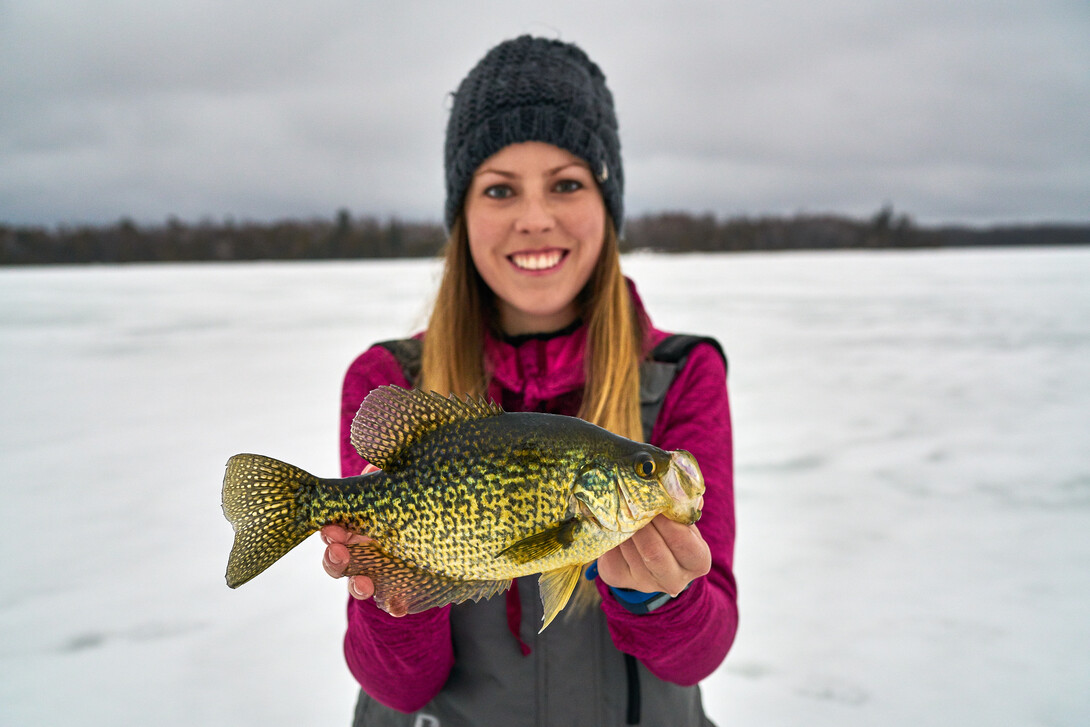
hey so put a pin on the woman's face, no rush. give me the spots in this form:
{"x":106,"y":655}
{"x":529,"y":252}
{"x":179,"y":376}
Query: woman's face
{"x":535,"y":221}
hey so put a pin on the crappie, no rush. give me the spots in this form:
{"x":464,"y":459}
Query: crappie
{"x":467,"y":498}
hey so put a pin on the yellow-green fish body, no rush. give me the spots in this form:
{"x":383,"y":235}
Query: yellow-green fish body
{"x":468,"y":497}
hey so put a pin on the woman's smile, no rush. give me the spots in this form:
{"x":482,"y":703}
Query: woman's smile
{"x":538,"y":261}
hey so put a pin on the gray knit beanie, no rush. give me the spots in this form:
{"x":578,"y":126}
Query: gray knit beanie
{"x":533,"y":89}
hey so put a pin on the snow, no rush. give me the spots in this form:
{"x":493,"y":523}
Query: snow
{"x":913,"y":483}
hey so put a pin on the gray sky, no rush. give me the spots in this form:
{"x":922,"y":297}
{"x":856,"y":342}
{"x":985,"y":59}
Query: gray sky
{"x":970,"y":112}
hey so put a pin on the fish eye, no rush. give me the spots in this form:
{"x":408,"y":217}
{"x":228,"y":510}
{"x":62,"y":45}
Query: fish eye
{"x":645,"y":467}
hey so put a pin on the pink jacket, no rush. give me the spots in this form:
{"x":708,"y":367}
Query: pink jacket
{"x":404,"y":662}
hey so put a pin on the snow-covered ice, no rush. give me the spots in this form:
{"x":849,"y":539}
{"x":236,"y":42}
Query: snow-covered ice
{"x":912,"y":435}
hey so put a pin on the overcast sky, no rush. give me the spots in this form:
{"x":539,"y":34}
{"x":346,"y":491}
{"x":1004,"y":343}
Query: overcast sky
{"x":967,"y":112}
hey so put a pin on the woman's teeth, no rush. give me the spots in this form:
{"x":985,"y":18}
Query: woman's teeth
{"x":537,"y":260}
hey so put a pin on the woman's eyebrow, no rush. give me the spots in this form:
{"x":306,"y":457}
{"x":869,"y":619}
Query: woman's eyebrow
{"x":562,"y":167}
{"x":490,"y":170}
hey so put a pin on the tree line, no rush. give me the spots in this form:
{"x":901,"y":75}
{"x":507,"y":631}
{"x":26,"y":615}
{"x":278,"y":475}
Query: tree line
{"x":348,"y":237}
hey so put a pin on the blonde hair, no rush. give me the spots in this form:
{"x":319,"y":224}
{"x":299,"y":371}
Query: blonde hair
{"x":453,"y":355}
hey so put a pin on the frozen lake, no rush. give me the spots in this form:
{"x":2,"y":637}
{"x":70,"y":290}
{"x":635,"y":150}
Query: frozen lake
{"x":913,"y":483}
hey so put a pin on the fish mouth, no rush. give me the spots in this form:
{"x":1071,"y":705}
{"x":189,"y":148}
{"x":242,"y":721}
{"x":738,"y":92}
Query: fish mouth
{"x":538,"y":261}
{"x":685,"y":486}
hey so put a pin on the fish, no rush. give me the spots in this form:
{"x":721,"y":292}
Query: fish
{"x":467,"y":497}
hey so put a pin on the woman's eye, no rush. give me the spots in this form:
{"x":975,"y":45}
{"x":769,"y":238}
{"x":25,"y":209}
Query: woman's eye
{"x":498,"y":191}
{"x":568,"y":185}
{"x":645,"y":467}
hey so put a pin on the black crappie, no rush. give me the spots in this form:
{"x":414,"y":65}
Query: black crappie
{"x":468,"y":497}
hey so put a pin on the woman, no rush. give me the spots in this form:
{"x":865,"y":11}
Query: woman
{"x":533,"y":311}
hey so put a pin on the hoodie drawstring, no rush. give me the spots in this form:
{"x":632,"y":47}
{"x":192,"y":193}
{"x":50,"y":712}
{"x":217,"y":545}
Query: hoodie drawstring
{"x":514,"y":616}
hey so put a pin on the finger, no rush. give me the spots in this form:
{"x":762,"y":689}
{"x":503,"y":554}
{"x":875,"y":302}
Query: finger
{"x":686,"y":545}
{"x":361,"y":587}
{"x":631,"y":571}
{"x":335,"y":559}
{"x":357,"y":539}
{"x":633,"y":560}
{"x":613,"y":568}
{"x":655,"y":554}
{"x":337,"y":534}
{"x":334,"y":534}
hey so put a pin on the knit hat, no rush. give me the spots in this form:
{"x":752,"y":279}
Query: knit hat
{"x":534,"y":89}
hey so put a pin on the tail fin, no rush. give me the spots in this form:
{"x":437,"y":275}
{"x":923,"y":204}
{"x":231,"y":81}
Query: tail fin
{"x":261,"y":501}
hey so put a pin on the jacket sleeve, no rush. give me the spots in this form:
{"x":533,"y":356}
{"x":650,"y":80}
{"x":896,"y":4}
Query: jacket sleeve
{"x":686,"y":639}
{"x":401,"y":662}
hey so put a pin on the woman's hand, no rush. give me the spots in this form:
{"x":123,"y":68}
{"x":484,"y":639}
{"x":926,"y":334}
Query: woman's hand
{"x":335,"y":560}
{"x":336,"y":557}
{"x":662,"y":556}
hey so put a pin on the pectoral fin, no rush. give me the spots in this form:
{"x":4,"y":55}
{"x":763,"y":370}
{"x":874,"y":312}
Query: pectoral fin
{"x":556,"y":588}
{"x":402,"y":587}
{"x":543,"y":544}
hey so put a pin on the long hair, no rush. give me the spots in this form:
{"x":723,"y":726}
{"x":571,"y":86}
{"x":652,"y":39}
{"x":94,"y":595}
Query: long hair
{"x":453,"y":345}
{"x":452,"y":359}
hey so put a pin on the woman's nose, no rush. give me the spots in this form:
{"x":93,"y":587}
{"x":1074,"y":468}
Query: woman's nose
{"x":534,"y":216}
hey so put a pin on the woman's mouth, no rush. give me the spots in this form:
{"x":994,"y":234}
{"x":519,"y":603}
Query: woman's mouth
{"x":537,"y":260}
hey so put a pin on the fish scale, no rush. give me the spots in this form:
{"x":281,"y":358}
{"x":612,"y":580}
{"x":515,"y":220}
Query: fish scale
{"x":468,"y":497}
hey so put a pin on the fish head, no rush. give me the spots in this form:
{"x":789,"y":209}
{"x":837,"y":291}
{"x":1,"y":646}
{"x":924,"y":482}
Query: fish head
{"x":638,"y":486}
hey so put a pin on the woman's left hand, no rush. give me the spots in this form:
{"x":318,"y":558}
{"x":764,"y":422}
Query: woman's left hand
{"x":662,"y":556}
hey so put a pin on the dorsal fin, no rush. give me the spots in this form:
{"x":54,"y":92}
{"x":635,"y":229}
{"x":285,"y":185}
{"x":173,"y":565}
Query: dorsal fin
{"x":391,"y":418}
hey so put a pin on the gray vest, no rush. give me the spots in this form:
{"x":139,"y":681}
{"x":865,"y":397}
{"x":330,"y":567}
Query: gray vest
{"x":573,"y":676}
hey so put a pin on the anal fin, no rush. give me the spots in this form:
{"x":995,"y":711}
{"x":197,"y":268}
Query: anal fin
{"x":402,"y":588}
{"x":556,"y":588}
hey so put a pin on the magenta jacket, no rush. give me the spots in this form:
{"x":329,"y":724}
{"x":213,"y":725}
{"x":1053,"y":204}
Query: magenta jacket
{"x":404,"y":662}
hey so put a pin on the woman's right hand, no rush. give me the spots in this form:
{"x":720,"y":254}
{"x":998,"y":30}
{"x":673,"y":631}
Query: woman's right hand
{"x":336,"y":558}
